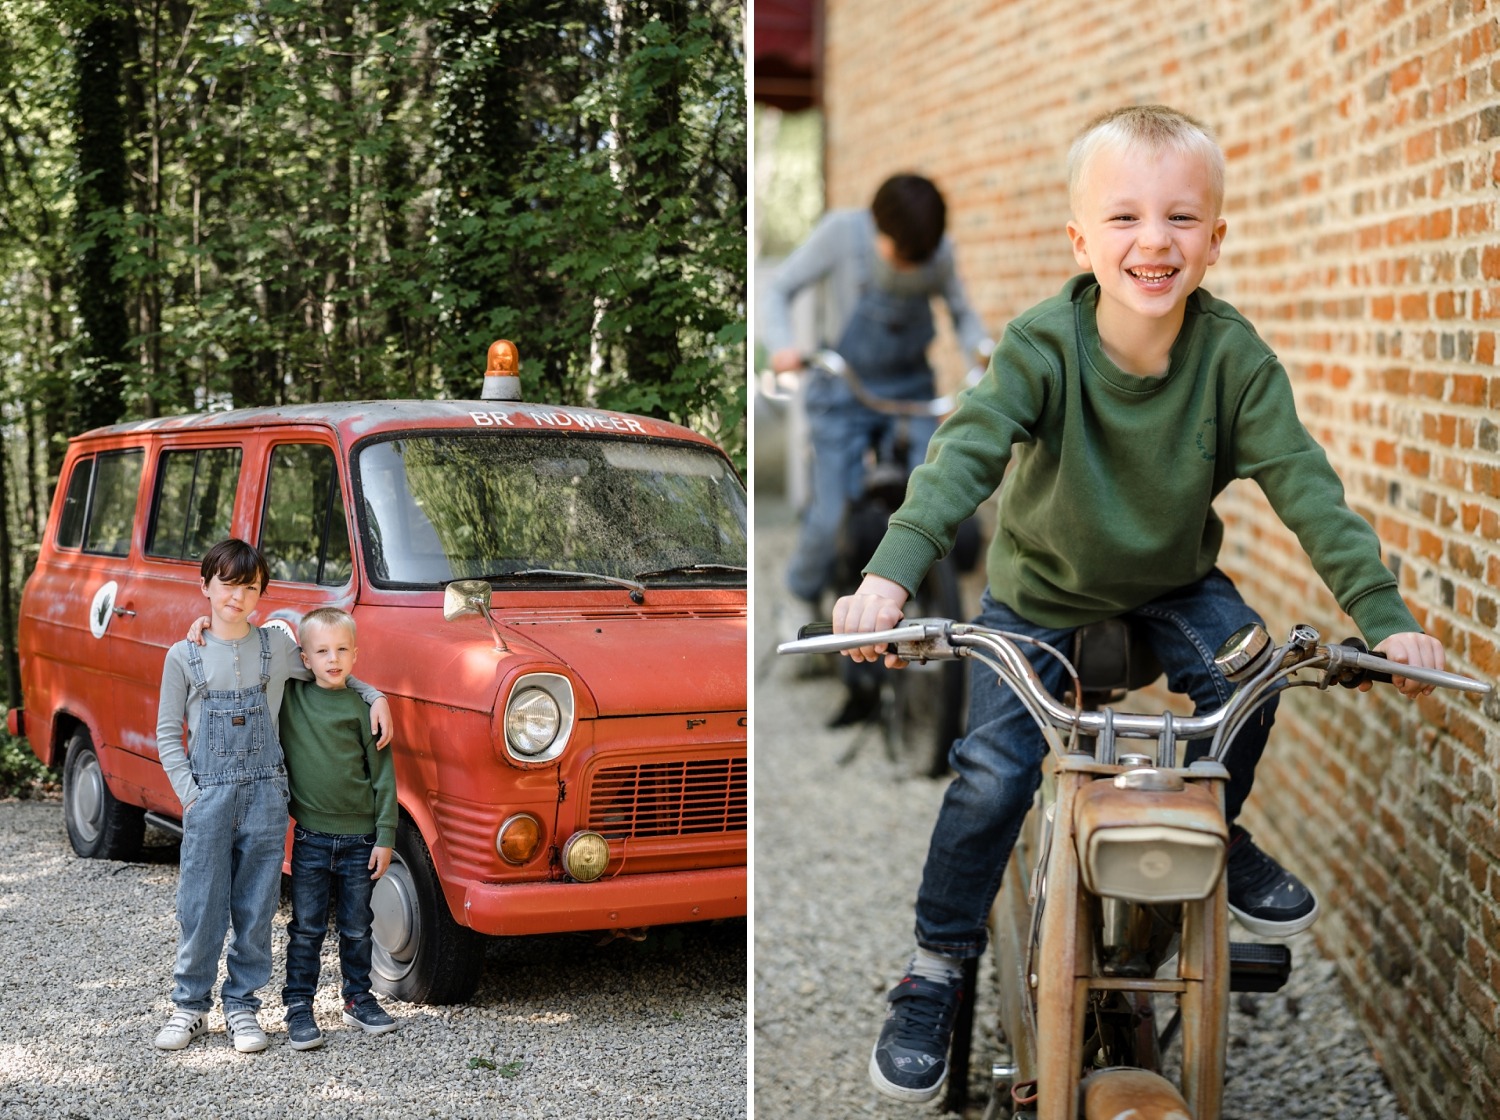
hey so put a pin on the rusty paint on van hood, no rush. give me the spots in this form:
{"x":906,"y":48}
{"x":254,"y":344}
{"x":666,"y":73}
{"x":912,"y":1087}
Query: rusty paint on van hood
{"x":651,"y":663}
{"x":627,"y":663}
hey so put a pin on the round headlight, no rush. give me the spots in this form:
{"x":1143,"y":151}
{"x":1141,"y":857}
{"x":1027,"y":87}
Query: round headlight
{"x":532,"y":721}
{"x":585,"y":856}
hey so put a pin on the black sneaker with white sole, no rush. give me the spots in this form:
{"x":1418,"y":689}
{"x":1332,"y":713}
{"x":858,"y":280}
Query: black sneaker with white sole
{"x":366,"y":1014}
{"x":910,"y":1059}
{"x":302,"y":1029}
{"x":1265,"y":897}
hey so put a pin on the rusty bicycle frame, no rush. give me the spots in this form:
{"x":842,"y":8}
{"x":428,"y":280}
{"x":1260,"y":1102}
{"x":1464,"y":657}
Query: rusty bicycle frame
{"x":1119,"y":870}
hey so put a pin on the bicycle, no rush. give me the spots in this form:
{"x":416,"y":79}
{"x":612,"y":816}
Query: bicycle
{"x":921,"y":712}
{"x":1115,"y":895}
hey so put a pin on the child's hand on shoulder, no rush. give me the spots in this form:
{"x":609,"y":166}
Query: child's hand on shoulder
{"x":381,"y":725}
{"x":876,"y":605}
{"x":195,"y":631}
{"x":1416,"y":649}
{"x":380,"y":860}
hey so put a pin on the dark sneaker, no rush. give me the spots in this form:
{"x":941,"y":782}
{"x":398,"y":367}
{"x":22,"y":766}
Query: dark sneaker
{"x":1265,"y":897}
{"x":301,"y":1028}
{"x":366,"y":1014}
{"x":910,"y":1059}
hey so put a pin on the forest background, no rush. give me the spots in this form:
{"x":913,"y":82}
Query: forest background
{"x":267,"y":202}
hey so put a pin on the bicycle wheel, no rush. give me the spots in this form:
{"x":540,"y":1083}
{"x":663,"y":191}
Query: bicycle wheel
{"x":923,"y":705}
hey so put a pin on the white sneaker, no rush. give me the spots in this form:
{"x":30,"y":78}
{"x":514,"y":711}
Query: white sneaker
{"x":244,"y":1030}
{"x":181,"y":1029}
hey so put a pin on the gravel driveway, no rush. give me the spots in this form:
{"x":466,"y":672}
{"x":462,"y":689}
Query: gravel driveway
{"x":559,"y":1027}
{"x":839,"y":842}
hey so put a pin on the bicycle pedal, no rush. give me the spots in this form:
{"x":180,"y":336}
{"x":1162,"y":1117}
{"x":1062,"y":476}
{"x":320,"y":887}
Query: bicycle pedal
{"x":1256,"y":967}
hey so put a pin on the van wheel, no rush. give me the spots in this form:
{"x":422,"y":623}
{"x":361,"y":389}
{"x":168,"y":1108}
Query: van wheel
{"x":100,"y":826}
{"x":421,"y":955}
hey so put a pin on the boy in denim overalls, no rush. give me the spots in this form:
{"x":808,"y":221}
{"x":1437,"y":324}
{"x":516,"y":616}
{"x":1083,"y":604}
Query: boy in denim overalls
{"x":233,"y":788}
{"x":878,"y":270}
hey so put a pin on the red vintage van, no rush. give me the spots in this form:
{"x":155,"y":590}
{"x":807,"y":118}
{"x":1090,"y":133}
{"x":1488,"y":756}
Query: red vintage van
{"x":552,"y":598}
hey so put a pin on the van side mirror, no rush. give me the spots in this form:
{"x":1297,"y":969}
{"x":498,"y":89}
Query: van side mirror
{"x":471,"y":596}
{"x":465,"y":596}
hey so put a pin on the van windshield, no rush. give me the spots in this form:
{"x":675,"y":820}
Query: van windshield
{"x":489,"y":505}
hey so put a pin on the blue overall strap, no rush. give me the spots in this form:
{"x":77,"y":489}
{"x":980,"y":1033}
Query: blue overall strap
{"x":195,"y":666}
{"x":265,"y":657}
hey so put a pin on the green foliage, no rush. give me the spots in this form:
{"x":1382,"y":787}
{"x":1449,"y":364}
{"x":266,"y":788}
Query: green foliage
{"x":21,"y":774}
{"x":223,"y":203}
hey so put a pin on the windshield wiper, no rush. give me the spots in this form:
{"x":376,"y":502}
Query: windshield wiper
{"x":563,"y":573}
{"x":690,"y":569}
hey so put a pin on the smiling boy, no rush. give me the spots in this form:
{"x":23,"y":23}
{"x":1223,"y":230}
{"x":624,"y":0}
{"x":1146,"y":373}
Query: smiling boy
{"x":1123,"y":405}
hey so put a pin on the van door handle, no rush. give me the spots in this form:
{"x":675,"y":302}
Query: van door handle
{"x":122,"y":612}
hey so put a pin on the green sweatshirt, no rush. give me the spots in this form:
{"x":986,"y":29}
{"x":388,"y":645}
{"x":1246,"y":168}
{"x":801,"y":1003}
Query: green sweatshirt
{"x":1109,"y":502}
{"x":341,"y":783}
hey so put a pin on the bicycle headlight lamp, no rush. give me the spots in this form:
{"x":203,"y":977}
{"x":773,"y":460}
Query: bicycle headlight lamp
{"x":538,"y":717}
{"x":1149,"y":837}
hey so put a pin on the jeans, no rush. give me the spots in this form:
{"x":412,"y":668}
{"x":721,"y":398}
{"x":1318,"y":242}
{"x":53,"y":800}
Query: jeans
{"x":327,"y":867}
{"x":998,"y":763}
{"x":842,"y":431}
{"x":233,"y":840}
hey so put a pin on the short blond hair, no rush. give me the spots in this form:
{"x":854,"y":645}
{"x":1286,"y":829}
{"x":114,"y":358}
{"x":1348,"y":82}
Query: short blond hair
{"x":1151,"y":127}
{"x":330,"y":617}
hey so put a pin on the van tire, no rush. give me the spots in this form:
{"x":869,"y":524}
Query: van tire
{"x":100,"y":826}
{"x":421,"y":955}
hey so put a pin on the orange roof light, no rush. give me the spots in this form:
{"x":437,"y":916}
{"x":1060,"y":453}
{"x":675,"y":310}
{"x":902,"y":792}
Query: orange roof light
{"x":502,"y":374}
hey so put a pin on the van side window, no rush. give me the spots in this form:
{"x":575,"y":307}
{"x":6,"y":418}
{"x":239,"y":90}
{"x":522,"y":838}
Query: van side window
{"x":194,"y":501}
{"x":304,"y":532}
{"x":75,"y":505}
{"x":111,"y":505}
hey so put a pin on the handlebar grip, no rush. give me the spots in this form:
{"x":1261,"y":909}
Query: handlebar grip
{"x":1364,"y":673}
{"x":1371,"y":666}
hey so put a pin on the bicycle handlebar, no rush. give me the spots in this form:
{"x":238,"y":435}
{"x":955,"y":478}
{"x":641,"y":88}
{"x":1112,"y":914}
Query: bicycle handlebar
{"x":771,"y":386}
{"x":929,"y":639}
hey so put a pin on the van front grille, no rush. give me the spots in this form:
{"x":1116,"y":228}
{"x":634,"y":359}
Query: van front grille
{"x":669,"y":799}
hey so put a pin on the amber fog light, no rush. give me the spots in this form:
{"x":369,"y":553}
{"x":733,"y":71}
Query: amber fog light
{"x":585,"y":856}
{"x":519,"y":838}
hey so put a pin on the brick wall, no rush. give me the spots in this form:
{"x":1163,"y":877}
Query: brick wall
{"x":1364,"y":157}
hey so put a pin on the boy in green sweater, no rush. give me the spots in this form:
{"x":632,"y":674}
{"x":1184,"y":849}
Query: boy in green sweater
{"x":1123,"y":405}
{"x":343,"y":799}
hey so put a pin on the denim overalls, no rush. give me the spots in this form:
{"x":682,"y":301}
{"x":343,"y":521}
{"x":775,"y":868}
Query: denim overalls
{"x":885,"y":341}
{"x":233,"y":840}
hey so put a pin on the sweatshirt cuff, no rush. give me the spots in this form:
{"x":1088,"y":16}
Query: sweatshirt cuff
{"x":1381,"y":613}
{"x":904,"y":556}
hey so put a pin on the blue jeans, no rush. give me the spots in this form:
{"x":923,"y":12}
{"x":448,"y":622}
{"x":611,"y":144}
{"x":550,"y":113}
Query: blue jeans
{"x":998,"y":763}
{"x":327,"y":867}
{"x":233,"y":840}
{"x":842,"y":431}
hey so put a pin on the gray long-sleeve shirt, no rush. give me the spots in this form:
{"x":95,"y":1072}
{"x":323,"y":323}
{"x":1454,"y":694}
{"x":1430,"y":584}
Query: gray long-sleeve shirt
{"x":227,"y":666}
{"x":840,"y":255}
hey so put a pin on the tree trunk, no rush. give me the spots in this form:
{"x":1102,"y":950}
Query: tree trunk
{"x":100,"y":196}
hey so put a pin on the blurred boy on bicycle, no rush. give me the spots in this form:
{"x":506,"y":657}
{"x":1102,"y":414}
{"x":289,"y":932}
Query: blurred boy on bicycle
{"x":879,"y":269}
{"x":1127,"y":402}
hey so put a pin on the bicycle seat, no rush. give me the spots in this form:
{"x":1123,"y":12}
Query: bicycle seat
{"x":1112,"y":658}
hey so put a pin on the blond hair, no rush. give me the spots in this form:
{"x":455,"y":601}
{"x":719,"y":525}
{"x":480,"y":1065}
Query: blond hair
{"x":1154,"y":128}
{"x":330,"y":617}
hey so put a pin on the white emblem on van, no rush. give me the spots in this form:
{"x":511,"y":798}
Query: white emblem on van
{"x":101,"y":610}
{"x":283,"y":625}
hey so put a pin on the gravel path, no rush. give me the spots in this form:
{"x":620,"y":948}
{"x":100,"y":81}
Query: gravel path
{"x":559,"y":1027}
{"x":839,"y":847}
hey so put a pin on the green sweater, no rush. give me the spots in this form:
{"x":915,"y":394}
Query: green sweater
{"x":1109,"y":501}
{"x":341,"y":782}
